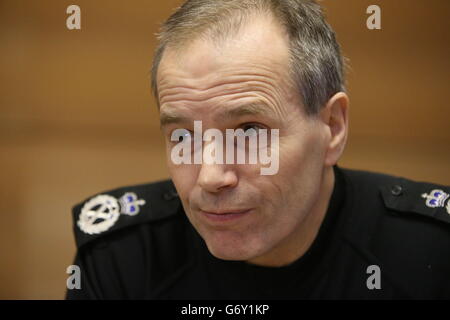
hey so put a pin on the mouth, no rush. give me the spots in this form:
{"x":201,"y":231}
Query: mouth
{"x":225,"y":216}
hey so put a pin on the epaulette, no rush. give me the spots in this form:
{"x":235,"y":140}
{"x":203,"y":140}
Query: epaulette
{"x":426,"y":199}
{"x":124,"y":207}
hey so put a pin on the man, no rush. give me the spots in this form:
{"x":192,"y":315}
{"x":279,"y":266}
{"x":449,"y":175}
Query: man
{"x":223,"y":229}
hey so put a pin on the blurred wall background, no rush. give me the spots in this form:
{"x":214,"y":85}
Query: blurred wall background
{"x":77,"y":116}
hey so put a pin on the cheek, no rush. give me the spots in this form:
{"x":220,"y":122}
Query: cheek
{"x":183,"y":175}
{"x":303,"y":148}
{"x":184,"y":178}
{"x":301,"y":164}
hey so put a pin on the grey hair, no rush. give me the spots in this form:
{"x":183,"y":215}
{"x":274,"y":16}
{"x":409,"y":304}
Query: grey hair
{"x":316,"y":63}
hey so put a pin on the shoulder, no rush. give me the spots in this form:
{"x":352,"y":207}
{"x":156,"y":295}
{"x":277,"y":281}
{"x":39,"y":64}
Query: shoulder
{"x":130,"y":241}
{"x":403,"y":226}
{"x":118,"y":209}
{"x":402,"y":195}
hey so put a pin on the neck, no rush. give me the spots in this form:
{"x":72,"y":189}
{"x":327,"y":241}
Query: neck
{"x":298,"y":243}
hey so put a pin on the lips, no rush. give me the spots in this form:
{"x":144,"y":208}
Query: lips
{"x":223,"y":216}
{"x":234,"y":211}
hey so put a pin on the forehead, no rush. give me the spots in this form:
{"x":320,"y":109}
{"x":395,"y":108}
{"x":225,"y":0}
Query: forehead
{"x":258,"y":52}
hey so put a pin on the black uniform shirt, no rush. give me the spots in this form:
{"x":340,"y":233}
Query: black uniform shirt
{"x":373,"y":221}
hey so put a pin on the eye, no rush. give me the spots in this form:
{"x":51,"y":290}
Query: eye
{"x":252,"y":128}
{"x":181,"y":135}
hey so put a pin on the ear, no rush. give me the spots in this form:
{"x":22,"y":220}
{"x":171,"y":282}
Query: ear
{"x":335,"y":116}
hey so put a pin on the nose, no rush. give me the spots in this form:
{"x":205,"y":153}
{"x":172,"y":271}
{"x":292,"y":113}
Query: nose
{"x":216,"y":177}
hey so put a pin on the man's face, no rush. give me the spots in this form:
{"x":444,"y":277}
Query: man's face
{"x":203,"y":82}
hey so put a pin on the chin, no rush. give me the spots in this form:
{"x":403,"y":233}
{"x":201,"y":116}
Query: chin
{"x":227,"y":254}
{"x":231,"y":248}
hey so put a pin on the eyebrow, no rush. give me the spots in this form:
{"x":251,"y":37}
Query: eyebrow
{"x":257,"y":108}
{"x":170,"y":117}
